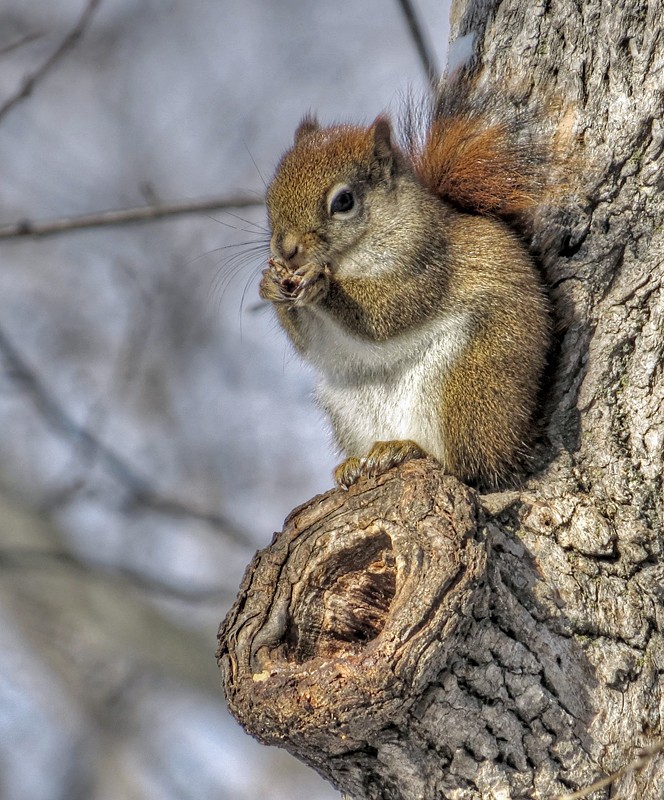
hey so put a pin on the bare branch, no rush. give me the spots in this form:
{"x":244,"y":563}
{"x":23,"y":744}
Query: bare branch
{"x":15,"y":45}
{"x":66,"y":44}
{"x":140,"y":490}
{"x":124,"y":216}
{"x":423,"y":50}
{"x":26,"y":558}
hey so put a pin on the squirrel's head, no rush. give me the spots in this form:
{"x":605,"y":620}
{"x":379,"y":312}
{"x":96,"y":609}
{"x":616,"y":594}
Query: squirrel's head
{"x":327,"y":187}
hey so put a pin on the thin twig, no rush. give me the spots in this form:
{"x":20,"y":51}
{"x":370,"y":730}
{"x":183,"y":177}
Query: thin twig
{"x":140,"y":491}
{"x":645,"y":758}
{"x":423,"y":50}
{"x":123,"y":216}
{"x":67,"y":43}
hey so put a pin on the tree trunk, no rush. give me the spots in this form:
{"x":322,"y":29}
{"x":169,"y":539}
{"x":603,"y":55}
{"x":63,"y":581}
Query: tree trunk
{"x":411,"y":639}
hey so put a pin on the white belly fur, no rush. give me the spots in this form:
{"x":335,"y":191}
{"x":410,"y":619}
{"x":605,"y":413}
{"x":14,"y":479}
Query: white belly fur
{"x":377,"y":391}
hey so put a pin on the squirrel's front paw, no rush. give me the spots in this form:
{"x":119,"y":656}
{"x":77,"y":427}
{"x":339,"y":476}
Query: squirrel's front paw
{"x":312,"y":282}
{"x":303,"y":286}
{"x":274,"y":286}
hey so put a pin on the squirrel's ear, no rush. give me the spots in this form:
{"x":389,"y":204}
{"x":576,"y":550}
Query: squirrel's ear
{"x":382,"y":132}
{"x":308,"y":125}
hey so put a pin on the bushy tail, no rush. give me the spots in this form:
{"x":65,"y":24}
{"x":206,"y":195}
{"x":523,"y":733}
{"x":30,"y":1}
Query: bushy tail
{"x":482,"y":154}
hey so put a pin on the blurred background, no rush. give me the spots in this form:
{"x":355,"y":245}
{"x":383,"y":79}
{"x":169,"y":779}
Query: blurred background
{"x":155,"y":427}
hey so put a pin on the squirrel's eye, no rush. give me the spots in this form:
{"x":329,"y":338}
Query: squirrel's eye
{"x":342,"y":202}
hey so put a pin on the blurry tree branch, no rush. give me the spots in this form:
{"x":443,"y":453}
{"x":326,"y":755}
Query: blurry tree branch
{"x":124,"y":216}
{"x":421,"y":45}
{"x":16,"y":44}
{"x":140,"y":491}
{"x":80,"y":617}
{"x":66,"y":44}
{"x":30,"y":558}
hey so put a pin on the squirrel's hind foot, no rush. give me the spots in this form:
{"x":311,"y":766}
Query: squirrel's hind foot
{"x":381,"y":457}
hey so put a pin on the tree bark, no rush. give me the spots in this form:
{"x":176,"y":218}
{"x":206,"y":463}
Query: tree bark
{"x":411,"y":639}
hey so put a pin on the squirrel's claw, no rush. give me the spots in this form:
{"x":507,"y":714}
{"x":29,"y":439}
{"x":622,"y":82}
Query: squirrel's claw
{"x":271,"y":287}
{"x":313,"y":284}
{"x":348,"y":472}
{"x":382,"y":457}
{"x":303,"y":286}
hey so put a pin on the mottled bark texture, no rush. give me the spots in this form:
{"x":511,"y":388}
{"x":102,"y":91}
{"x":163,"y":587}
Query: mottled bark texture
{"x":412,"y":639}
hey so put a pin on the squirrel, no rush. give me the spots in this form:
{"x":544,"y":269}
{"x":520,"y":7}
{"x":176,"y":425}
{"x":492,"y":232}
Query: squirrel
{"x":400,"y":270}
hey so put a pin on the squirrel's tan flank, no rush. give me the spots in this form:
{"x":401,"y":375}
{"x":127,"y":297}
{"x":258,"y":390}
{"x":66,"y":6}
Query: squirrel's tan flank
{"x":396,"y":274}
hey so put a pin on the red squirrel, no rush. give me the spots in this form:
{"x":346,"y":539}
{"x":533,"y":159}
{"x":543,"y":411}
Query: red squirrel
{"x":397,"y":271}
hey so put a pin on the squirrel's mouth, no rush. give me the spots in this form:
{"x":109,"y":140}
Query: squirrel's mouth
{"x":284,"y":265}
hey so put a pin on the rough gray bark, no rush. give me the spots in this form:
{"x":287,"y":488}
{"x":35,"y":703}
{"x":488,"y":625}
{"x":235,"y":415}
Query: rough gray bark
{"x":410,"y":639}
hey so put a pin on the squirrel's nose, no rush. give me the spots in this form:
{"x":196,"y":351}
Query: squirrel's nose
{"x":290,"y":246}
